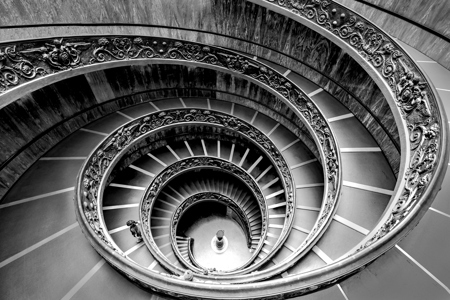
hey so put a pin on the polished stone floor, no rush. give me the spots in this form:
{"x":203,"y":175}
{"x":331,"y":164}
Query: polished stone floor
{"x":204,"y":230}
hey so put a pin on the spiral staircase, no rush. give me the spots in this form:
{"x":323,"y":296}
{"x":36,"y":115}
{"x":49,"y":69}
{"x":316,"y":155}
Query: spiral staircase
{"x":318,"y":171}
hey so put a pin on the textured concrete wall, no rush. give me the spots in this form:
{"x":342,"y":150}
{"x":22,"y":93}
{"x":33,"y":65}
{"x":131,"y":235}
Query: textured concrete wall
{"x":432,"y":14}
{"x":33,"y":124}
{"x":238,"y":25}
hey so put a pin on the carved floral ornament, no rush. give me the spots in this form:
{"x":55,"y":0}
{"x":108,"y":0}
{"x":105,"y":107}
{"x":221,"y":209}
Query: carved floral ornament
{"x":412,"y":94}
{"x":46,"y":57}
{"x":415,"y":99}
{"x":26,"y":61}
{"x":125,"y":135}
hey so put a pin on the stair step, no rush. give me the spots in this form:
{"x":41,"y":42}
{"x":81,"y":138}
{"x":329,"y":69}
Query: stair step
{"x":255,"y":222}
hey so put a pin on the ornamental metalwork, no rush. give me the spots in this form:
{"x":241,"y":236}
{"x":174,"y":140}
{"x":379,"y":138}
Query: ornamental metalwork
{"x":109,"y":49}
{"x":49,"y":57}
{"x":125,"y":136}
{"x":411,"y":92}
{"x":122,"y":48}
{"x":185,"y":165}
{"x":15,"y":69}
{"x":58,"y":54}
{"x":26,"y":61}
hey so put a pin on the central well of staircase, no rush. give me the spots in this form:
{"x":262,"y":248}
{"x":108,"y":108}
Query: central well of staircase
{"x":201,"y":222}
{"x":214,"y":231}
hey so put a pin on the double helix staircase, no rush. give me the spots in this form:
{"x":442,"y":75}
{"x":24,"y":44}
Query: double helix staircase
{"x":368,"y":182}
{"x":367,"y":177}
{"x":281,"y":247}
{"x":136,"y":176}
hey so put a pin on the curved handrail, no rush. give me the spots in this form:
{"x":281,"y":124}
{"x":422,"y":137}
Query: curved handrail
{"x":202,"y":196}
{"x":33,"y":61}
{"x":275,"y":83}
{"x":124,"y":137}
{"x":163,"y":179}
{"x":372,"y":44}
{"x":151,"y":122}
{"x":413,"y":100}
{"x":191,"y":255}
{"x":419,"y":115}
{"x":27,"y":61}
{"x":188,"y":241}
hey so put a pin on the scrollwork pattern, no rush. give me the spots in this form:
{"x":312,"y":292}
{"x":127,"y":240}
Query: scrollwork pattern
{"x":26,"y":61}
{"x":58,"y":54}
{"x":408,"y":85}
{"x":124,"y":136}
{"x":47,"y":57}
{"x":122,"y":48}
{"x":413,"y":95}
{"x":125,"y":48}
{"x":14,"y":68}
{"x":172,"y":171}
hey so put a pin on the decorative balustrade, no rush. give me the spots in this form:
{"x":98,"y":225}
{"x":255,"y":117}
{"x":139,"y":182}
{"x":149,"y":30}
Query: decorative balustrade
{"x":424,"y":139}
{"x":181,"y":208}
{"x":109,"y":152}
{"x":124,"y":48}
{"x":411,"y":97}
{"x":25,"y":62}
{"x":183,"y":166}
{"x":189,"y":259}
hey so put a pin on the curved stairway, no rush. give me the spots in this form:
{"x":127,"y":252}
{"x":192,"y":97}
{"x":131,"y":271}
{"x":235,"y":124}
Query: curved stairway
{"x":123,"y":194}
{"x":139,"y":174}
{"x":367,"y":186}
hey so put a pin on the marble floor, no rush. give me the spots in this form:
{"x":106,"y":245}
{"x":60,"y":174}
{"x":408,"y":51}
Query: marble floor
{"x":204,"y":230}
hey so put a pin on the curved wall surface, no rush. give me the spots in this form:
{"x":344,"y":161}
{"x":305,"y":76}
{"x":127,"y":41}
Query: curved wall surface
{"x":423,"y":25}
{"x":245,"y":27}
{"x":33,"y":124}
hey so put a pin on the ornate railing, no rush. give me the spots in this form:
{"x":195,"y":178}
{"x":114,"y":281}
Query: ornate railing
{"x":102,"y":161}
{"x":181,"y":208}
{"x":190,"y":260}
{"x":125,"y":48}
{"x":413,"y":99}
{"x":25,"y":62}
{"x":191,"y":255}
{"x":174,"y":170}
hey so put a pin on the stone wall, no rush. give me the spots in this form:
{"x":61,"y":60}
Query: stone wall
{"x":36,"y":122}
{"x":431,"y":14}
{"x":238,"y":25}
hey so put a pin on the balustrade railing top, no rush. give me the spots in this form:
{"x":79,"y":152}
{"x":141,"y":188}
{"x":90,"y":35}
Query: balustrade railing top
{"x":412,"y":98}
{"x":100,"y":164}
{"x":191,"y":164}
